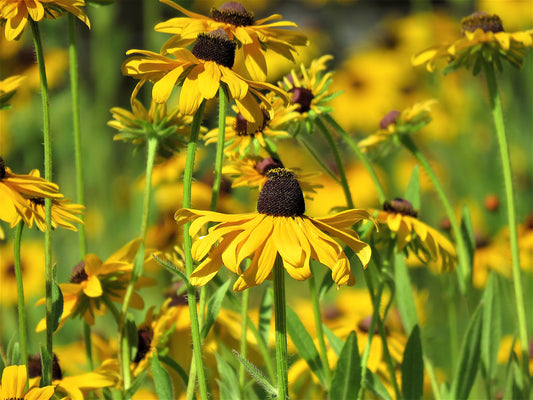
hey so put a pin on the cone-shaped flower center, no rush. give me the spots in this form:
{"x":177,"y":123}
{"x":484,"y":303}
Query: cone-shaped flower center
{"x":35,"y":367}
{"x":390,"y":118}
{"x":233,"y":13}
{"x":215,"y":46}
{"x":244,"y":127}
{"x":145,"y":336}
{"x":267,"y":164}
{"x":281,"y":196}
{"x":2,"y":168}
{"x":400,"y":206}
{"x":487,"y":22}
{"x":78,"y":273}
{"x":303,"y":97}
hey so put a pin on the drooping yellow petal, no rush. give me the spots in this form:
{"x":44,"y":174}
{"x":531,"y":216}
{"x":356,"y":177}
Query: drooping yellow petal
{"x":93,"y":287}
{"x":164,"y":86}
{"x":209,"y":80}
{"x":190,"y":94}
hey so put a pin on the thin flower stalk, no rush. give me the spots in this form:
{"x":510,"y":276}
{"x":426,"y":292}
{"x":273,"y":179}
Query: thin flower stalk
{"x":23,"y":323}
{"x":222,"y":105}
{"x":497,"y":114}
{"x":49,"y":269}
{"x":187,"y":244}
{"x":280,"y":321}
{"x":244,"y":341}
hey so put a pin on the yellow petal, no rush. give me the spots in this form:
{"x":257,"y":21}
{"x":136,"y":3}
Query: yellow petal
{"x":209,"y":80}
{"x":190,"y":95}
{"x":92,"y":287}
{"x":164,"y":86}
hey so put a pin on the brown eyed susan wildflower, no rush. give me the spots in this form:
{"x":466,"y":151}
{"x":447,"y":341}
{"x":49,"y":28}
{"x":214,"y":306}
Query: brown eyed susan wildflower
{"x":278,"y":227}
{"x":255,"y":37}
{"x":14,"y":14}
{"x":14,"y":380}
{"x":483,"y":41}
{"x":200,"y":72}
{"x":412,"y":235}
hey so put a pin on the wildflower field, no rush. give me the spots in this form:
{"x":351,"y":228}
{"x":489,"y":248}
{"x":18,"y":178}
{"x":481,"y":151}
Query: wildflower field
{"x":304,"y":199}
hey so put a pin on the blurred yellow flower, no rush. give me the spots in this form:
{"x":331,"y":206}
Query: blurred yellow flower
{"x":8,"y":88}
{"x":14,"y":380}
{"x":278,"y":227}
{"x":255,"y":37}
{"x":16,"y":13}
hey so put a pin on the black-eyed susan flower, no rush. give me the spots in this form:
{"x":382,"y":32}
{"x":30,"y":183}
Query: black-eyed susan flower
{"x":252,"y":172}
{"x":8,"y":87}
{"x":15,"y":190}
{"x":200,"y":72}
{"x":14,"y":14}
{"x":483,"y":41}
{"x":397,"y":123}
{"x":255,"y":37}
{"x":169,"y":126}
{"x":14,"y":380}
{"x":95,"y":284}
{"x":279,"y":227}
{"x":414,"y":236}
{"x":246,"y":138}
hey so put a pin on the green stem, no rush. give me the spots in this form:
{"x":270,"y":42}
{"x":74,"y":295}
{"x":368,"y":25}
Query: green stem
{"x":497,"y":114}
{"x":74,"y":85}
{"x":464,"y":272}
{"x":244,"y":340}
{"x":319,"y":331}
{"x":338,"y":161}
{"x":362,"y":157}
{"x":23,"y":324}
{"x":280,"y":320}
{"x":49,"y":270}
{"x":88,"y":345}
{"x":187,"y":245}
{"x":311,"y":151}
{"x":222,"y":106}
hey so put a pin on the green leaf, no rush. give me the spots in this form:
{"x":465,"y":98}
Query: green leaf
{"x":46,"y":366}
{"x":138,"y":263}
{"x":467,"y":231}
{"x":374,"y":385}
{"x":265,"y":314}
{"x":176,"y":367}
{"x":514,"y":388}
{"x":213,"y":308}
{"x":256,"y":374}
{"x":325,"y":285}
{"x":162,"y":383}
{"x":131,"y":336}
{"x":404,"y":295}
{"x":413,"y":367}
{"x":347,"y":376}
{"x":492,"y":329}
{"x":304,"y":345}
{"x":228,"y":378}
{"x":13,"y":350}
{"x":466,"y":370}
{"x":335,"y":342}
{"x":138,"y":381}
{"x":57,"y":305}
{"x":412,"y":193}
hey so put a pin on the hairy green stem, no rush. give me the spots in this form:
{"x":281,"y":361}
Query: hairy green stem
{"x":280,"y":321}
{"x":187,"y":245}
{"x":497,"y":114}
{"x":75,"y":92}
{"x":23,"y":323}
{"x":47,"y":139}
{"x":362,"y":157}
{"x":222,"y":106}
{"x":464,"y":270}
{"x":340,"y":166}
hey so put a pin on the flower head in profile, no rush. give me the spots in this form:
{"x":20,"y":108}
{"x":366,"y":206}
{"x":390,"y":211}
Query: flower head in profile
{"x":483,"y":41}
{"x":398,"y":123}
{"x":413,"y":236}
{"x":278,"y":228}
{"x":93,"y":283}
{"x":252,"y":172}
{"x":14,"y":380}
{"x":14,"y":14}
{"x":200,"y":72}
{"x":8,"y":87}
{"x":247,"y":138}
{"x":255,"y":37}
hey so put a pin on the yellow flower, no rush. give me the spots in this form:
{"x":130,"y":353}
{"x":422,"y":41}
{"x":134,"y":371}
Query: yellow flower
{"x":93,"y":283}
{"x":399,"y":217}
{"x":396,"y":123}
{"x":8,"y":88}
{"x":484,"y":41}
{"x":252,"y":172}
{"x":200,"y":73}
{"x":247,"y":137}
{"x":15,"y":190}
{"x":14,"y":379}
{"x":16,"y":13}
{"x":278,"y":227}
{"x":255,"y":37}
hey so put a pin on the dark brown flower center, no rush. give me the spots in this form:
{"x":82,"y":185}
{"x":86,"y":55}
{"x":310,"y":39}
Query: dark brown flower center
{"x":303,"y":97}
{"x":78,"y":273}
{"x":215,"y":46}
{"x":364,"y":325}
{"x":243,"y":127}
{"x":267,"y":164}
{"x":37,"y":200}
{"x":390,"y":118}
{"x":2,"y":168}
{"x":281,"y":196}
{"x":35,"y":367}
{"x":233,"y":13}
{"x":145,"y":336}
{"x":400,"y":206}
{"x":487,"y":22}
